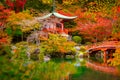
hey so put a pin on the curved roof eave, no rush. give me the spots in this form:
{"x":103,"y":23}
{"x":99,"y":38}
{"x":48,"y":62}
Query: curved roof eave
{"x":57,"y":15}
{"x":46,"y":16}
{"x":63,"y":16}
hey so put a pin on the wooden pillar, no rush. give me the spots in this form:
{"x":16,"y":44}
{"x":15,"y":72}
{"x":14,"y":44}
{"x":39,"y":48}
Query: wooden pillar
{"x":104,"y":56}
{"x":62,"y":26}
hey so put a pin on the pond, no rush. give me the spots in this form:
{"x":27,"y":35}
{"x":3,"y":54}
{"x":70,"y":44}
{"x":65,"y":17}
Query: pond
{"x":84,"y":73}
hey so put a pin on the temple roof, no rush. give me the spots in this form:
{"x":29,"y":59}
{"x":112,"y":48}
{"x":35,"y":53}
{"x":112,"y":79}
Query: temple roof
{"x":58,"y":15}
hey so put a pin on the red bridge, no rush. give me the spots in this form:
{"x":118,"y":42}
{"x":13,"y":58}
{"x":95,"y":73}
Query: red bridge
{"x":104,"y":50}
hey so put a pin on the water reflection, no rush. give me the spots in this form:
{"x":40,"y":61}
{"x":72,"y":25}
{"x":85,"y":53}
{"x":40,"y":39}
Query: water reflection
{"x":84,"y":73}
{"x":79,"y":62}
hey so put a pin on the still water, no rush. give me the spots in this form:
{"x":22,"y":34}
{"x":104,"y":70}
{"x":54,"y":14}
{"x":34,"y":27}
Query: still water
{"x":84,"y":73}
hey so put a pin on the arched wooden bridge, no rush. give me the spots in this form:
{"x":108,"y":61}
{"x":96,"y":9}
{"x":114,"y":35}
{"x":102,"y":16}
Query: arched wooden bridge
{"x":104,"y":50}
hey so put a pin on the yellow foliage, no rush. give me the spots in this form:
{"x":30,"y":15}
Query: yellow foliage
{"x":17,"y":17}
{"x":116,"y":60}
{"x":68,"y":2}
{"x":27,"y":72}
{"x":57,"y":44}
{"x":23,"y":21}
{"x":47,"y":1}
{"x":31,"y":66}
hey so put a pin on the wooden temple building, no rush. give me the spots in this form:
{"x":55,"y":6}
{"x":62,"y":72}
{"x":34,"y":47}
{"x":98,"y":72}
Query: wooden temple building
{"x":54,"y":22}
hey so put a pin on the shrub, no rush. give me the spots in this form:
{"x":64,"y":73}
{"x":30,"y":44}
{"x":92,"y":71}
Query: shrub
{"x":57,"y":45}
{"x":77,"y":39}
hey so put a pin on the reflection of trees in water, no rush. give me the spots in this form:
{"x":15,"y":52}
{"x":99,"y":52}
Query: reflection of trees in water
{"x":99,"y":56}
{"x":96,"y":56}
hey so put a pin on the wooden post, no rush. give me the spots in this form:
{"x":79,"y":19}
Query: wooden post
{"x":104,"y":56}
{"x":105,"y":60}
{"x":62,"y":26}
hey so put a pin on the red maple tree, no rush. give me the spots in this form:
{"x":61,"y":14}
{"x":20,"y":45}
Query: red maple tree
{"x":16,"y":5}
{"x":4,"y":13}
{"x":92,"y":26}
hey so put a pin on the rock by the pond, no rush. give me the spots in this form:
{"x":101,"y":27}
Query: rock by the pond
{"x":69,"y":56}
{"x":37,"y":51}
{"x":46,"y":58}
{"x":77,"y":47}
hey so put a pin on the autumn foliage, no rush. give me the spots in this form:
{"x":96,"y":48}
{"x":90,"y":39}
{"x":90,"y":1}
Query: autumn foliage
{"x":57,"y":45}
{"x":93,"y":26}
{"x":4,"y":14}
{"x":17,"y":5}
{"x":116,"y":60}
